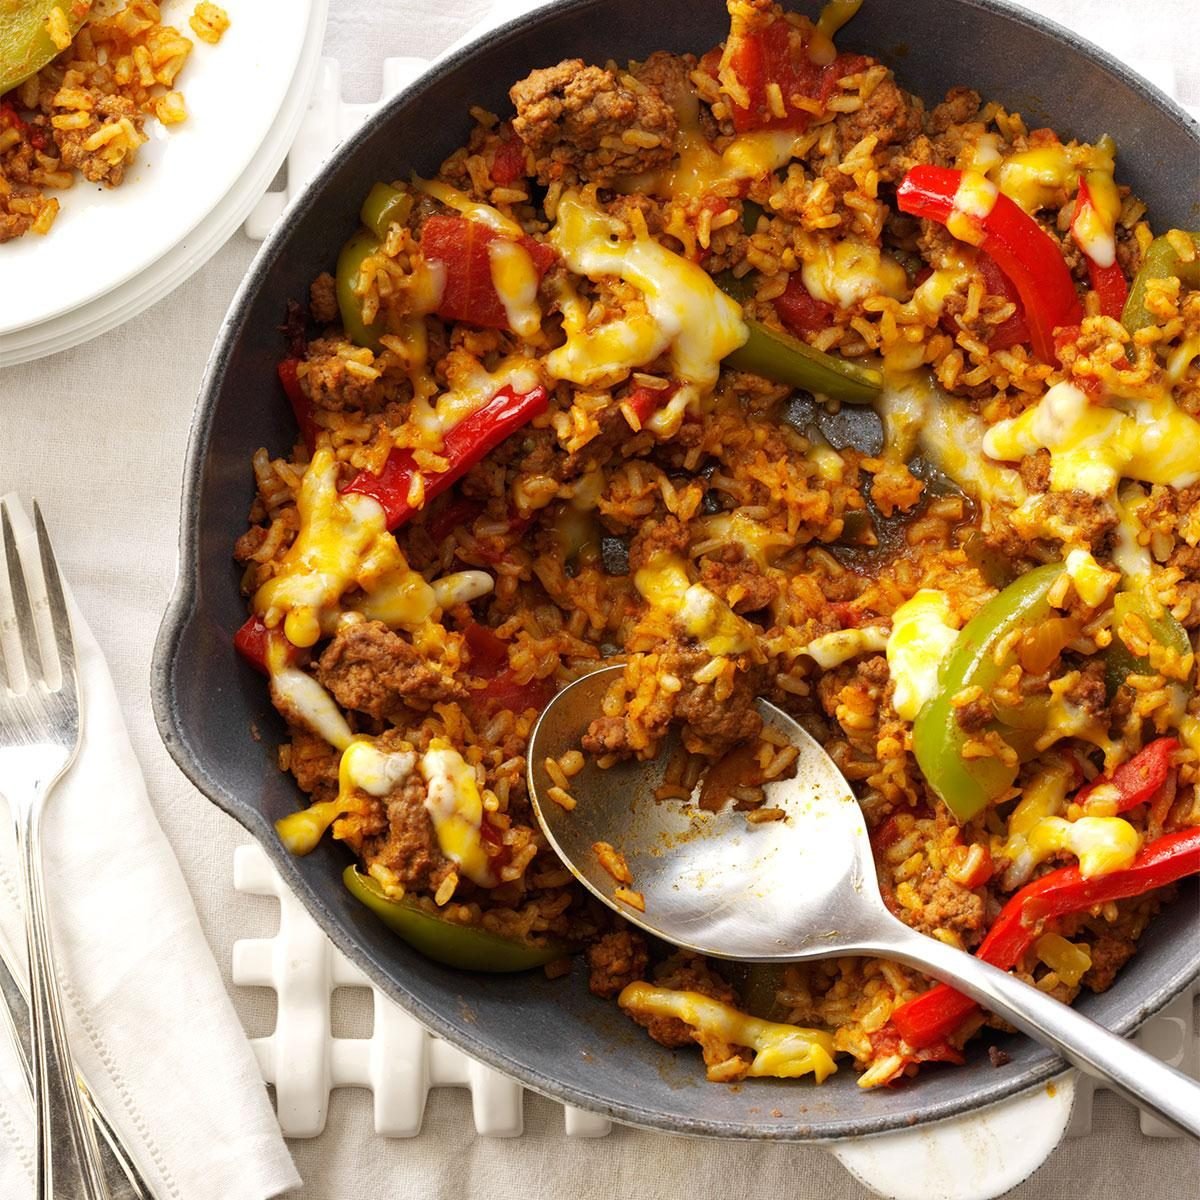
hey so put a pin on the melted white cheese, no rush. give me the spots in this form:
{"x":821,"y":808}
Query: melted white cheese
{"x":515,"y":279}
{"x":845,"y":270}
{"x":916,"y":414}
{"x":664,"y":584}
{"x":456,"y":808}
{"x":685,"y":311}
{"x":298,"y":695}
{"x":1092,"y":446}
{"x":832,"y":649}
{"x":924,"y":631}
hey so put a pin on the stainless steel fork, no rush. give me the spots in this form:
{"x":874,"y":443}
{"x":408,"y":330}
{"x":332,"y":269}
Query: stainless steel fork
{"x":39,"y":737}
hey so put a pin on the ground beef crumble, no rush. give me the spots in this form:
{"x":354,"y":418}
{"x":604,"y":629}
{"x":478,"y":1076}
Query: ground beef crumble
{"x":584,"y":120}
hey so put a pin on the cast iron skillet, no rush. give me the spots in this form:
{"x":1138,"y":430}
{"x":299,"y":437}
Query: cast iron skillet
{"x":213,"y":712}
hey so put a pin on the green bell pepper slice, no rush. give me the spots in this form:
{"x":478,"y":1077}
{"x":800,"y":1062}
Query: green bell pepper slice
{"x":1161,"y":262}
{"x":751,"y":211}
{"x":463,"y":946}
{"x":967,"y":786}
{"x":25,"y":45}
{"x":1119,"y":661}
{"x":384,"y":207}
{"x":785,"y":359}
{"x":361,"y":246}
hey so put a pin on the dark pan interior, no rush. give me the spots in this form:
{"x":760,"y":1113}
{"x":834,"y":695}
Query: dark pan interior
{"x":213,"y":712}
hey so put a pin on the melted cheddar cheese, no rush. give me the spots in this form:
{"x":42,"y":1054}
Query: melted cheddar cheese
{"x":783,"y":1051}
{"x":1036,"y":831}
{"x":845,"y":270}
{"x":473,"y":210}
{"x":686,"y":315}
{"x":1093,"y":583}
{"x":1092,"y":446}
{"x":362,"y":767}
{"x":515,"y":279}
{"x":343,"y":542}
{"x":455,"y":806}
{"x":924,"y":631}
{"x":973,"y":202}
{"x":665,"y":585}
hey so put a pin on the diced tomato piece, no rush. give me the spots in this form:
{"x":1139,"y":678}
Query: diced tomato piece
{"x":505,"y":694}
{"x":800,"y":311}
{"x":462,"y":510}
{"x":489,"y":654}
{"x":644,"y":402}
{"x":461,"y":247}
{"x":779,"y":55}
{"x":509,"y":163}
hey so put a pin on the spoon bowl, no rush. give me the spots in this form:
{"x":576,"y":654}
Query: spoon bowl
{"x":713,"y":882}
{"x":799,"y":887}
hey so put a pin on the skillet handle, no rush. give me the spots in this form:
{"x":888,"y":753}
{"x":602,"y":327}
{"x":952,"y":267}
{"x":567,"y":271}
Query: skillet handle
{"x":1128,"y":1070}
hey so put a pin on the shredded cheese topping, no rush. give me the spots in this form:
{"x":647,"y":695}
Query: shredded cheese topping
{"x":686,"y":314}
{"x":456,"y":808}
{"x":665,"y":585}
{"x":1092,"y":582}
{"x":343,"y":541}
{"x":973,"y":202}
{"x":1092,"y":446}
{"x":783,"y":1051}
{"x":845,"y":270}
{"x":516,"y":282}
{"x":924,"y":631}
{"x":832,"y":649}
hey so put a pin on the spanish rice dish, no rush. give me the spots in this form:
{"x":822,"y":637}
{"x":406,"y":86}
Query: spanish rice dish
{"x":748,"y":370}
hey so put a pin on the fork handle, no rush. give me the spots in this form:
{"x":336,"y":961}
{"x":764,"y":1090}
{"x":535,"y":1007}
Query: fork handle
{"x":67,"y":1156}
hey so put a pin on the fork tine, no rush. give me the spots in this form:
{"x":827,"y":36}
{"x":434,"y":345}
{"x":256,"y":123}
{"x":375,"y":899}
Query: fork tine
{"x":22,"y":608}
{"x":59,"y":616}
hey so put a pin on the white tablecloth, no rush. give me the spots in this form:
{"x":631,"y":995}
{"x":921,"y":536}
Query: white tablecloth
{"x":98,"y":434}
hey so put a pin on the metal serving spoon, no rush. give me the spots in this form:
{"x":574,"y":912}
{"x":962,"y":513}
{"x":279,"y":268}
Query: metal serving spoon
{"x":792,"y":889}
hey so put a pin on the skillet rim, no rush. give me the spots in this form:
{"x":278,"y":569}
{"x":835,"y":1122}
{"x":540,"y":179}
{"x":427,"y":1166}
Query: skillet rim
{"x":183,"y":608}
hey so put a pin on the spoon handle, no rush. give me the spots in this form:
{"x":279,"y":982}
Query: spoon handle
{"x":1136,"y":1075}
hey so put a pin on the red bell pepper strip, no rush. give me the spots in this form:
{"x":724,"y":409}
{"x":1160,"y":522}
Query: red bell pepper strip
{"x":1109,"y":283}
{"x":301,"y":405}
{"x":937,"y":1013}
{"x":253,"y":642}
{"x":1017,"y":243}
{"x":463,"y":446}
{"x":778,"y":54}
{"x":1014,"y":331}
{"x":1139,"y":779}
{"x":800,"y":311}
{"x":461,"y":247}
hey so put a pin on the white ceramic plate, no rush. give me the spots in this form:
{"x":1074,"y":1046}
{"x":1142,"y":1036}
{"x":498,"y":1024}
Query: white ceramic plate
{"x":192,"y":250}
{"x":103,"y":238}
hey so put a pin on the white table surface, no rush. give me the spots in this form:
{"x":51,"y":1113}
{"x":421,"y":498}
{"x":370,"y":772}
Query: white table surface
{"x":98,"y":434}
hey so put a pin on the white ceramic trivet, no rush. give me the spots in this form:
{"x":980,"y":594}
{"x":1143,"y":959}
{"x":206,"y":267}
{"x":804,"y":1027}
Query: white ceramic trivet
{"x":401,"y":1061}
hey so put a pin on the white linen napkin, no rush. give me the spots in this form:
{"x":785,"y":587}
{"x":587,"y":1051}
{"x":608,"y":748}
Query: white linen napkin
{"x":151,"y":1025}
